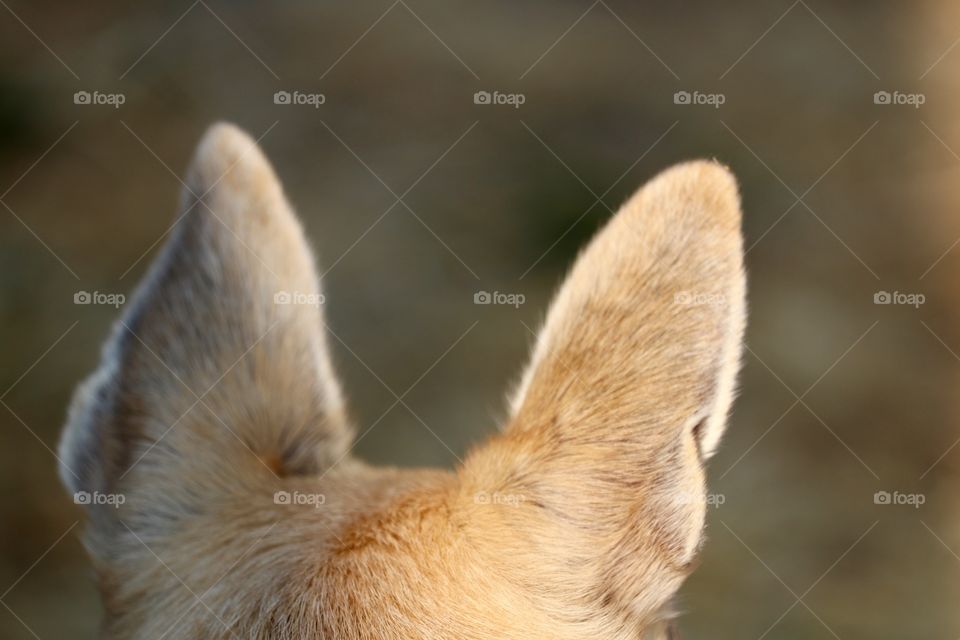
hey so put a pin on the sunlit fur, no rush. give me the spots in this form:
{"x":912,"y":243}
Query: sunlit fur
{"x":579,"y":519}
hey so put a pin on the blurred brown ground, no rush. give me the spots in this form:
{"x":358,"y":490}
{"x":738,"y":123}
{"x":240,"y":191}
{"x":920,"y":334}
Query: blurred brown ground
{"x":798,"y":534}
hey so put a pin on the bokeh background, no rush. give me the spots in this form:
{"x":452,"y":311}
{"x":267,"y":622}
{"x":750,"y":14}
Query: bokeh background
{"x":843,"y":198}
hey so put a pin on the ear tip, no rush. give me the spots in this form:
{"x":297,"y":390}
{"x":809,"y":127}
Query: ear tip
{"x":707,"y":180}
{"x":711,"y":170}
{"x":226,"y":149}
{"x":226,"y":134}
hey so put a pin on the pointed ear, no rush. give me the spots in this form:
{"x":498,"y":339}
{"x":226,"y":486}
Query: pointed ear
{"x":670,"y":262}
{"x":218,"y":370}
{"x":627,"y":394}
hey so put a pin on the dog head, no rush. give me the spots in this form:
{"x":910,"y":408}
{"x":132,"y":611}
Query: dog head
{"x":215,"y":451}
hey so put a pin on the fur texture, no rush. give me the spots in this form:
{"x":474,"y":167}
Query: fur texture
{"x":580,"y":519}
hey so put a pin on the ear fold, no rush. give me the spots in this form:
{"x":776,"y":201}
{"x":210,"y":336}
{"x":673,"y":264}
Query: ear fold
{"x":218,"y":372}
{"x":625,"y":397}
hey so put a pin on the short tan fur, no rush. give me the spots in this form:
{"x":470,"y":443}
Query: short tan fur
{"x":579,"y":519}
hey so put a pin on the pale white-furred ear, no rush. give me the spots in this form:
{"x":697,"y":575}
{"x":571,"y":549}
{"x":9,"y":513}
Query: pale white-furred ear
{"x":626,"y":395}
{"x":217,"y":373}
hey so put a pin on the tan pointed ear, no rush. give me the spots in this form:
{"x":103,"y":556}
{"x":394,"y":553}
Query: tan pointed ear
{"x":670,"y":262}
{"x":627,"y":394}
{"x":218,"y":370}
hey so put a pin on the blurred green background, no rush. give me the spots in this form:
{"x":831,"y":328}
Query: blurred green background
{"x":843,"y":198}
